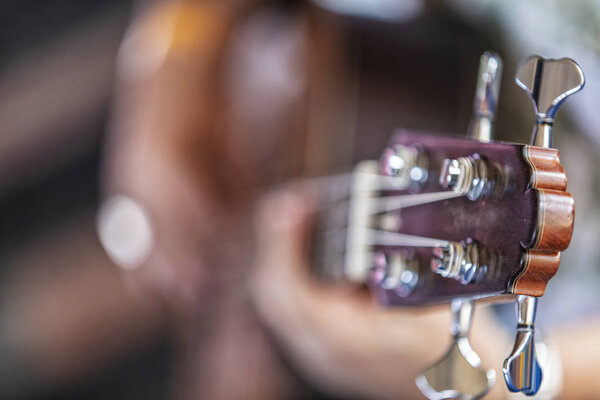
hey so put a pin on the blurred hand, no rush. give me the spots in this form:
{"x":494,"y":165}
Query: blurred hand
{"x":337,"y":337}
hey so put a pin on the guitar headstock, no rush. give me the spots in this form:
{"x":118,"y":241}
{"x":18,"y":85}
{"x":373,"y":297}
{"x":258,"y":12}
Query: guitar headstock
{"x":490,"y":219}
{"x":448,"y":219}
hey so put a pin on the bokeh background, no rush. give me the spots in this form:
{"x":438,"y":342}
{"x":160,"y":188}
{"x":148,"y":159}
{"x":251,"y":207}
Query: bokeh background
{"x":70,"y":326}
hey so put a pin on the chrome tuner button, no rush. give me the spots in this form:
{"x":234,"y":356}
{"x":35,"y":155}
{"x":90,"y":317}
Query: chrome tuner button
{"x":465,"y":262}
{"x":548,"y":83}
{"x":395,"y":271}
{"x":522,"y":371}
{"x":459,"y":373}
{"x":406,"y":163}
{"x":470,"y":176}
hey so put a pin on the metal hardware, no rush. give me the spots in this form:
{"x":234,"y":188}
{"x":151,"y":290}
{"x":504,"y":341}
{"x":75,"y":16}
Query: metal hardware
{"x":406,"y":163}
{"x":522,"y":371}
{"x":466,"y":262}
{"x":467,"y":175}
{"x":395,"y":271}
{"x":458,"y":375}
{"x":548,"y":83}
{"x":486,"y":97}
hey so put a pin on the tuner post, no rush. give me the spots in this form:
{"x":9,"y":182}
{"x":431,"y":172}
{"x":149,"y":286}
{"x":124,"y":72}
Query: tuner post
{"x":487,"y":91}
{"x":542,"y":134}
{"x":470,"y":176}
{"x":465,"y":262}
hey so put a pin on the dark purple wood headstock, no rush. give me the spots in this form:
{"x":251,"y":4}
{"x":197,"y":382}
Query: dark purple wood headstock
{"x":503,"y":226}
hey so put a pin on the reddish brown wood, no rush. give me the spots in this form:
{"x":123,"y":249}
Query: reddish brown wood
{"x":555,"y":219}
{"x":538,"y":268}
{"x":547,"y":171}
{"x":556,"y":215}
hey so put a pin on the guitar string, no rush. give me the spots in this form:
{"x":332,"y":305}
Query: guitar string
{"x":333,"y":207}
{"x":335,"y":188}
{"x":337,"y":207}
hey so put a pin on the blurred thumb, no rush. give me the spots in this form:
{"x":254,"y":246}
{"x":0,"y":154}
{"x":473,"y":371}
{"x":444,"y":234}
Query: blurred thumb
{"x":282,"y":225}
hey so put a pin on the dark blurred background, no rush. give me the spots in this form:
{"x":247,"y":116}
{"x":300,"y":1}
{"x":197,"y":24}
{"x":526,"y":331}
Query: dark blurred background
{"x":70,"y":327}
{"x":62,"y":302}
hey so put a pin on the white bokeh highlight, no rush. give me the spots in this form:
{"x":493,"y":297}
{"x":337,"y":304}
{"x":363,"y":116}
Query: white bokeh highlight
{"x":125,"y":231}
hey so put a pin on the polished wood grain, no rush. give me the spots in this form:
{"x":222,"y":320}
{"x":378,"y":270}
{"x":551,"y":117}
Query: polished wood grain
{"x":538,"y":268}
{"x":556,"y":216}
{"x":555,"y":221}
{"x":547,"y":171}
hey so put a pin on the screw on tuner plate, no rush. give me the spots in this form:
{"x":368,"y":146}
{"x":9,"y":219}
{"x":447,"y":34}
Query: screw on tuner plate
{"x":458,"y":375}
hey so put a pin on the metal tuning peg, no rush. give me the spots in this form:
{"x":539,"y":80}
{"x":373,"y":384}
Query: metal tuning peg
{"x":522,"y":371}
{"x":458,"y":375}
{"x":487,"y":90}
{"x":548,"y":83}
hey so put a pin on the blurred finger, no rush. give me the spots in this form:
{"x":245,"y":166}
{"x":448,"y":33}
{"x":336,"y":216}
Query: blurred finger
{"x":282,"y":223}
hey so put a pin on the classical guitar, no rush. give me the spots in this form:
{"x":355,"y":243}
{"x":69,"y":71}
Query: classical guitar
{"x":455,"y":220}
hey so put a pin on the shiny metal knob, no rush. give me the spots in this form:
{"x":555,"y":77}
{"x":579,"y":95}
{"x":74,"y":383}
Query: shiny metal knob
{"x":522,"y":371}
{"x":548,"y":83}
{"x":407,"y":164}
{"x":458,"y":375}
{"x":487,"y":91}
{"x":464,"y":262}
{"x":467,"y":175}
{"x":395,"y":271}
